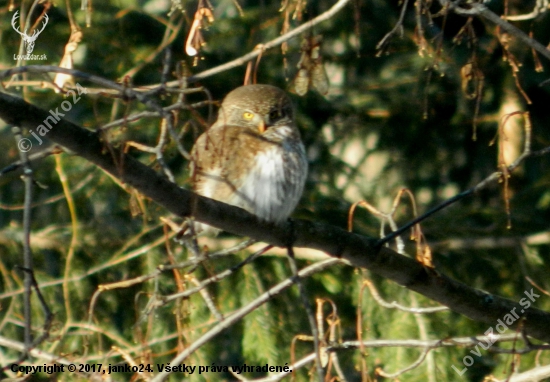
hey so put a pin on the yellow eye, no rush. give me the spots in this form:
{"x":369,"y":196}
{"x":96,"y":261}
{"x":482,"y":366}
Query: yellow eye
{"x":248,"y":116}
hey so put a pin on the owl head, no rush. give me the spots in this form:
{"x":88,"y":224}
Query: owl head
{"x":263,"y":109}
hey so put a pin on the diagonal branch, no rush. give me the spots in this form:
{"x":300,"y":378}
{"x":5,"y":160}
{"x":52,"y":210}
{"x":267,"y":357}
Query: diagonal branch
{"x":356,"y":250}
{"x":340,"y":4}
{"x":477,"y":9}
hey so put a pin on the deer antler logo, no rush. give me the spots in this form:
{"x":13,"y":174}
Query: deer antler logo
{"x":29,"y":40}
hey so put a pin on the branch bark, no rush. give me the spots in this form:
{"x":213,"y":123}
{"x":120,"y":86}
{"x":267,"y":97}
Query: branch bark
{"x":477,"y":9}
{"x":356,"y":250}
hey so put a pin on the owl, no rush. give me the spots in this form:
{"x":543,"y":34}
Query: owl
{"x":252,"y":156}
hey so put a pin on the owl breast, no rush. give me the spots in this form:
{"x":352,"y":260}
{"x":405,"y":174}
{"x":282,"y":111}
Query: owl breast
{"x":273,"y":186}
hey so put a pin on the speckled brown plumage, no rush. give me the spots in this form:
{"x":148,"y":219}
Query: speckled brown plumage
{"x":252,"y":156}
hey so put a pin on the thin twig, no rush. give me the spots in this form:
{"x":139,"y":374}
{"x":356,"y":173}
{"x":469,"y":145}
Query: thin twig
{"x":478,"y":187}
{"x":240,"y":313}
{"x":216,"y":278}
{"x":27,"y":254}
{"x":268,"y":45}
{"x":125,"y":92}
{"x":395,"y":305}
{"x":309,"y":312}
{"x":380,"y":47}
{"x":478,"y":9}
{"x":412,"y":366}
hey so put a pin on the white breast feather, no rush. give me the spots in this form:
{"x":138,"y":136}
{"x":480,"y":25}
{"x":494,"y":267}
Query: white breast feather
{"x":265,"y":191}
{"x":262,"y":188}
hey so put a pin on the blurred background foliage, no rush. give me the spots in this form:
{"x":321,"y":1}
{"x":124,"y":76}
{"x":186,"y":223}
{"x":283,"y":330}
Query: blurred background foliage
{"x":392,"y":119}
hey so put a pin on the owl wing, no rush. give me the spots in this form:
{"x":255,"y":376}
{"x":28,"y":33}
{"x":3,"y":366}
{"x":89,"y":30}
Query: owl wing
{"x":221,"y":158}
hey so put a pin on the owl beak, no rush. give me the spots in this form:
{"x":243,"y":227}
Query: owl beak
{"x":261,"y":126}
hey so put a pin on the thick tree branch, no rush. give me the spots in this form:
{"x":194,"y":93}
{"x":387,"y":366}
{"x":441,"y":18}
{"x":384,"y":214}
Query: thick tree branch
{"x":358,"y":251}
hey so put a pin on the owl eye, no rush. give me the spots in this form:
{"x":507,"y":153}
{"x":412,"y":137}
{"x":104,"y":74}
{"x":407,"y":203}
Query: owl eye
{"x":274,"y":115}
{"x":248,"y":116}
